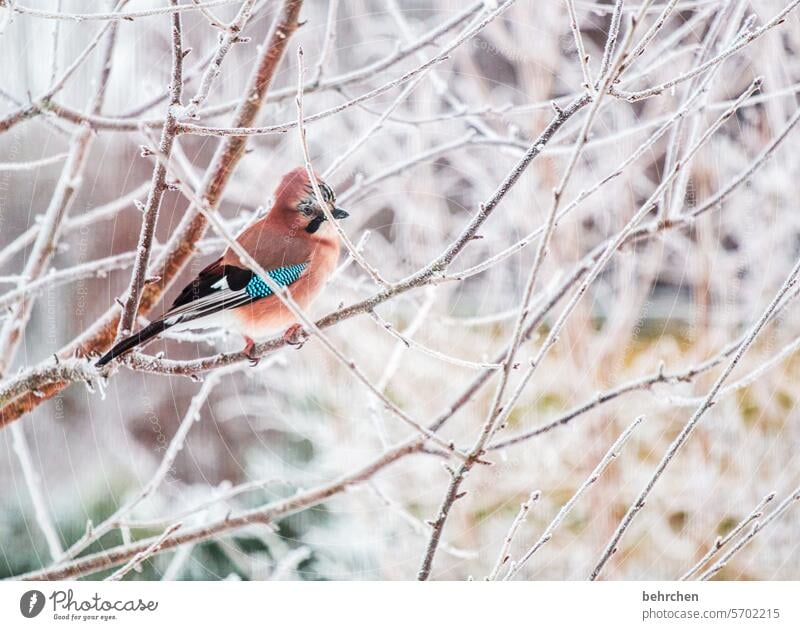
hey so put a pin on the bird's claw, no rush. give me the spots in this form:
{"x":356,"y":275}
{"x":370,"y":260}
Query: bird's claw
{"x":249,"y":351}
{"x":295,"y":336}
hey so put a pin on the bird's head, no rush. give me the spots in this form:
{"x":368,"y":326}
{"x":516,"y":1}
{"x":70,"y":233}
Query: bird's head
{"x":296,"y":203}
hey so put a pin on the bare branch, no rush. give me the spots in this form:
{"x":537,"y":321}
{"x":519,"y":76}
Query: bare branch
{"x":55,"y":86}
{"x":498,"y":410}
{"x":117,"y":15}
{"x":131,"y":123}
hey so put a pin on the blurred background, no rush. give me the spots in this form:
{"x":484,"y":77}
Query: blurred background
{"x":300,"y":419}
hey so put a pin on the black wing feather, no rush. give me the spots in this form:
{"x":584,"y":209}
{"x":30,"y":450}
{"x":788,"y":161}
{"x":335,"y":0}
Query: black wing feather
{"x":137,"y":339}
{"x":217,"y":287}
{"x":202,"y":285}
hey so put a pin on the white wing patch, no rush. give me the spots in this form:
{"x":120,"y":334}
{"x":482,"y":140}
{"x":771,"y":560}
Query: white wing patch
{"x":223,"y":297}
{"x":221,"y":284}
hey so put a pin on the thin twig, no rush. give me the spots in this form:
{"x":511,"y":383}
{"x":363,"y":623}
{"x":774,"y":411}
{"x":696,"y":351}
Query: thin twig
{"x":43,"y":100}
{"x":33,"y":164}
{"x":328,"y":40}
{"x":721,"y":541}
{"x":416,"y":524}
{"x":230,"y":36}
{"x":264,"y":515}
{"x":129,"y":122}
{"x":409,"y":342}
{"x":608,"y":249}
{"x":117,"y":15}
{"x":504,"y":555}
{"x":312,"y":176}
{"x":43,"y":518}
{"x":583,"y":58}
{"x":611,"y":40}
{"x":784,"y":505}
{"x":100,"y":213}
{"x":547,"y":534}
{"x":158,"y":185}
{"x":655,"y":27}
{"x":144,"y":554}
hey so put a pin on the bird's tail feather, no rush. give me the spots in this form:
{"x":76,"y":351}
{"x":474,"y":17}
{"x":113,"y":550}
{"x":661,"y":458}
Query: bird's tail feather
{"x":137,"y":339}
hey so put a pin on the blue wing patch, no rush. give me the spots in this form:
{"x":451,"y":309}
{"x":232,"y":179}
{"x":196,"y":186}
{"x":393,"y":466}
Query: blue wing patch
{"x":283,"y":276}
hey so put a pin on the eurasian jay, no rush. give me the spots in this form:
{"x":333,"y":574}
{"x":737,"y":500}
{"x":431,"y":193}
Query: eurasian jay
{"x":295,"y":245}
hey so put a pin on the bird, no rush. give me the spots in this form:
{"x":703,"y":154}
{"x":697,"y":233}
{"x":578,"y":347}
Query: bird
{"x":294,"y":243}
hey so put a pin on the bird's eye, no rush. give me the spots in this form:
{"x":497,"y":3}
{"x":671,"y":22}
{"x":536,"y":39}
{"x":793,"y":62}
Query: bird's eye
{"x":306,"y":208}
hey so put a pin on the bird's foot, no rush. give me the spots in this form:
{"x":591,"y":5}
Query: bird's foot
{"x":250,"y":350}
{"x":295,"y":336}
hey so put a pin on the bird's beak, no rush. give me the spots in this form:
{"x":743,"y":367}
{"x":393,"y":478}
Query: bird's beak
{"x":338,"y":213}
